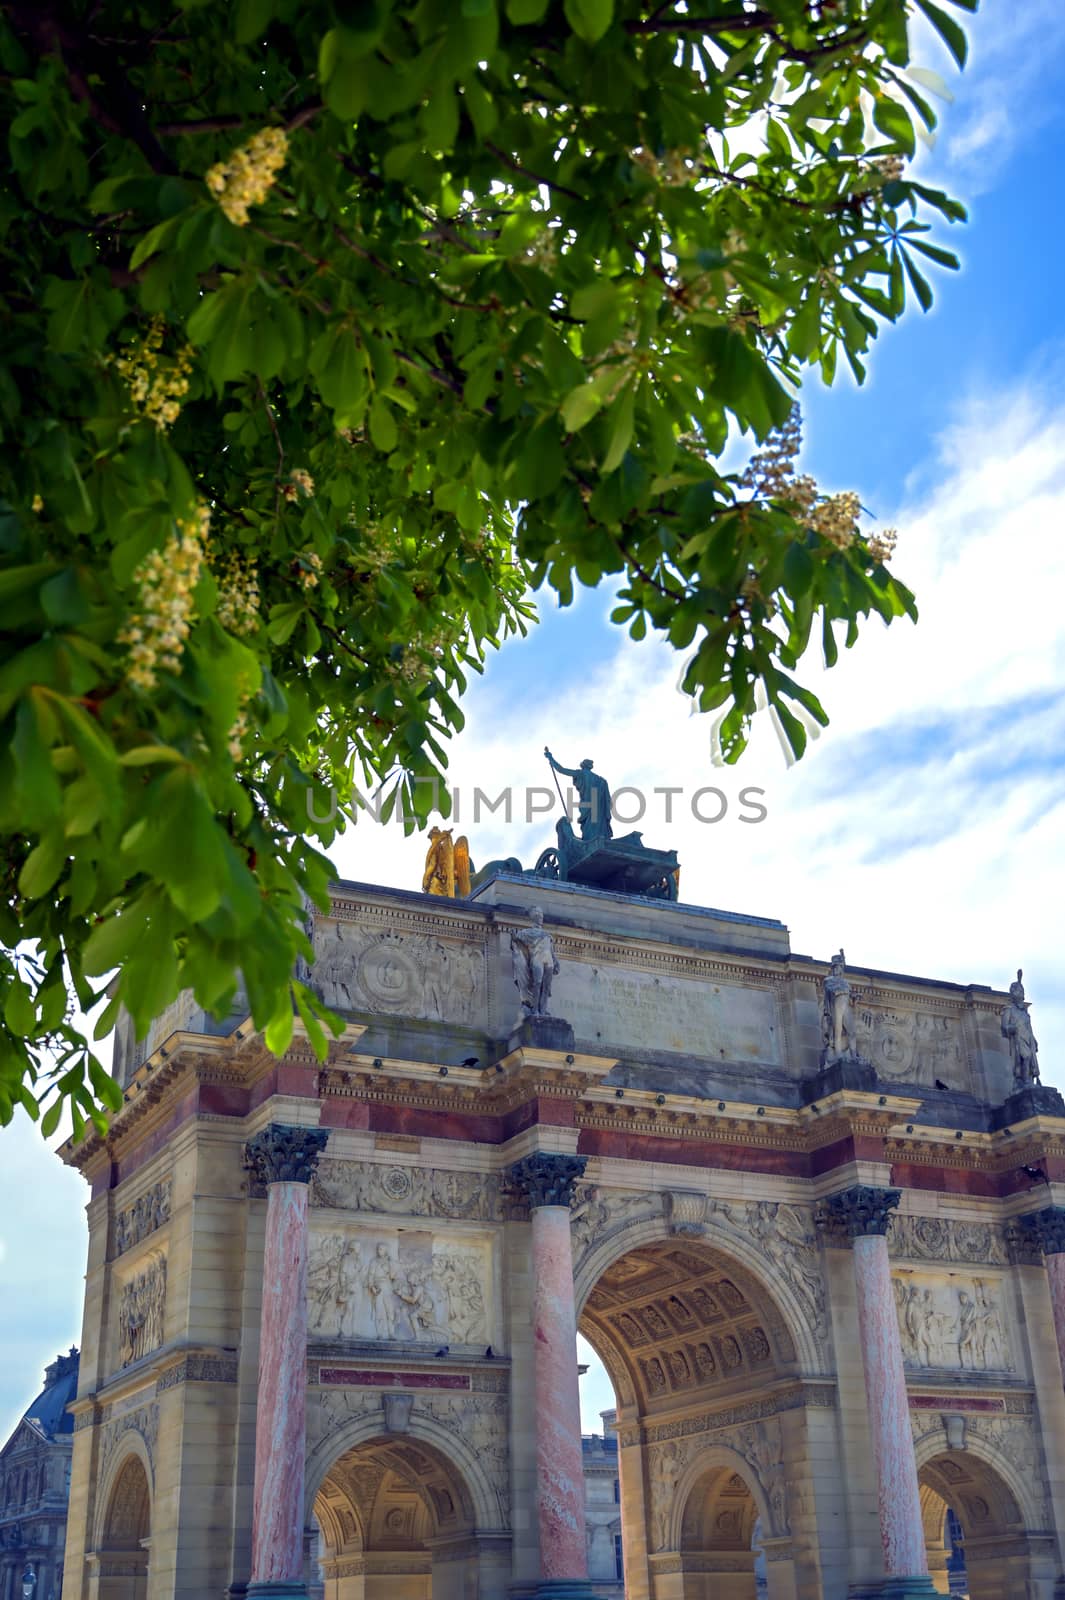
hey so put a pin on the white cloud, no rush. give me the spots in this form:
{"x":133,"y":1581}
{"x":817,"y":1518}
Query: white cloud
{"x":1006,"y":94}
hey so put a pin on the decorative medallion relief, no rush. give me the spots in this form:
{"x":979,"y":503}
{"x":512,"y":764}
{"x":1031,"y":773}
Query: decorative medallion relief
{"x":407,"y":1191}
{"x":912,"y":1046}
{"x":141,"y":1311}
{"x":404,"y":974}
{"x":939,"y":1239}
{"x":411,"y":1287}
{"x":147,"y":1213}
{"x":951,"y":1326}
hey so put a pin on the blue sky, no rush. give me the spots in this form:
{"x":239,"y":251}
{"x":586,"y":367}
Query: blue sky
{"x":923,"y":830}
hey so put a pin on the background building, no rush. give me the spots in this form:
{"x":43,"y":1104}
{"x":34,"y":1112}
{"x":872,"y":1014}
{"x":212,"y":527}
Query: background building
{"x":35,"y":1487}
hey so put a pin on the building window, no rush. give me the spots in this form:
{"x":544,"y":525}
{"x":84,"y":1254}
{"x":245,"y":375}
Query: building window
{"x":617,"y":1491}
{"x":619,"y":1563}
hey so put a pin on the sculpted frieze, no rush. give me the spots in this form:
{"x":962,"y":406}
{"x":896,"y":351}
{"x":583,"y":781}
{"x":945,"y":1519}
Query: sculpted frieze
{"x":148,"y":1212}
{"x":403,"y":974}
{"x":952,"y":1326}
{"x":945,"y":1239}
{"x":141,"y":1312}
{"x":411,"y":1288}
{"x":406,"y":1191}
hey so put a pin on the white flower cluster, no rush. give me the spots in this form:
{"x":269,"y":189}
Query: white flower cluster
{"x":156,"y":632}
{"x":246,"y":178}
{"x":771,"y":475}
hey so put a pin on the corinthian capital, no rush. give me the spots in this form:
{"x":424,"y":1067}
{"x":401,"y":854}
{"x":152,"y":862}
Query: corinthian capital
{"x":547,"y":1180}
{"x":285,"y":1155}
{"x":862,"y":1211}
{"x":1046,"y":1228}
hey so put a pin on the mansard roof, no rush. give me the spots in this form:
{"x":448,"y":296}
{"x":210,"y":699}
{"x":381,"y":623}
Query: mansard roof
{"x":47,"y":1416}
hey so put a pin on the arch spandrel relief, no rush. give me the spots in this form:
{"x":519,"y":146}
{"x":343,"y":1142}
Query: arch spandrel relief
{"x":408,"y":1286}
{"x":419,"y":975}
{"x":955,"y":1325}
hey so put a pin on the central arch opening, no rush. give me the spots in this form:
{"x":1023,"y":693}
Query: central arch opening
{"x":688,"y":1337}
{"x":393,"y":1520}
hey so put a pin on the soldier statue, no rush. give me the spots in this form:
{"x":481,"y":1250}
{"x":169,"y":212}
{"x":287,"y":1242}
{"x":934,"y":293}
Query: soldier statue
{"x":1017,"y":1029}
{"x":535,"y":965}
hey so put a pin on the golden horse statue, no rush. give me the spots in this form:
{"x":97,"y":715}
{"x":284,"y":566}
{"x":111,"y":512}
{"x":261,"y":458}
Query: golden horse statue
{"x":447,"y":865}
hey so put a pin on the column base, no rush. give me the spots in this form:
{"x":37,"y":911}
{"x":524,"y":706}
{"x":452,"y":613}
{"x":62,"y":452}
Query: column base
{"x":896,"y":1589}
{"x":564,"y":1589}
{"x":277,"y":1589}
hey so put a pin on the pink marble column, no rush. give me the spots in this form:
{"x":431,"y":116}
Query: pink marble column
{"x":1047,"y":1227}
{"x":866,"y":1214}
{"x":283,"y":1159}
{"x":548,"y":1182}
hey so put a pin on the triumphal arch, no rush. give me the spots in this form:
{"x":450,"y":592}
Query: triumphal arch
{"x":810,"y":1215}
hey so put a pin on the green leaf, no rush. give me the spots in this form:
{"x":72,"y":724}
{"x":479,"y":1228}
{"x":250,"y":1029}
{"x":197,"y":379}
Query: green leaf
{"x":20,"y":1013}
{"x":148,"y":754}
{"x":949,"y":30}
{"x":620,"y":422}
{"x":278,"y":1031}
{"x":252,"y":19}
{"x":113,"y":940}
{"x":582,"y":403}
{"x":383,"y":430}
{"x":589,"y":19}
{"x":522,"y":12}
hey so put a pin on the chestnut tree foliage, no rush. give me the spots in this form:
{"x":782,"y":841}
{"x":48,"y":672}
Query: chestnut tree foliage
{"x":331,"y":330}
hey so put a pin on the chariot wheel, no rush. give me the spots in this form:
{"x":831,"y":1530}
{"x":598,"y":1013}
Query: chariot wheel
{"x":547,"y":864}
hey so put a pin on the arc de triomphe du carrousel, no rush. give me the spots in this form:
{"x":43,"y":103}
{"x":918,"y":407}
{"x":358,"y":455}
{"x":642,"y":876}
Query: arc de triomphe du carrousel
{"x":810,"y":1216}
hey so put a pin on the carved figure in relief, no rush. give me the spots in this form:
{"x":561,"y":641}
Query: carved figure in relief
{"x":140,"y":1314}
{"x":535,"y":965}
{"x":1017,"y":1030}
{"x":837,"y":1018}
{"x":969,"y":1352}
{"x":380,"y":1286}
{"x":421,"y":1310}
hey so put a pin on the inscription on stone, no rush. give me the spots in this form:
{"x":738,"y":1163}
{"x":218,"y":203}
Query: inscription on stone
{"x":689,"y":1015}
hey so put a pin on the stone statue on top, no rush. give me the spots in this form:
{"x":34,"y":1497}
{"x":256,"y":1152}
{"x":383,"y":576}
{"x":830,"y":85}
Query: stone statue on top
{"x":1017,"y":1030}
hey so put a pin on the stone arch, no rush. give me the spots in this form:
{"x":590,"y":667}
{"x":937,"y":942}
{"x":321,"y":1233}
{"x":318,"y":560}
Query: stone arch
{"x":1031,"y":1508}
{"x":133,"y":1447}
{"x":124,"y":1527}
{"x":1004,"y":1552}
{"x":810,"y":1354}
{"x":713,"y":1462}
{"x":397,"y":1514}
{"x":486,"y":1510}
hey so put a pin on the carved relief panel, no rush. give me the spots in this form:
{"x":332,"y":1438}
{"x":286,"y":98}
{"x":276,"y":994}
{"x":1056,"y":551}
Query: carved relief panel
{"x":912,"y":1046}
{"x":953,"y":1323}
{"x":408,"y":1285}
{"x":141,"y":1309}
{"x":358,"y":968}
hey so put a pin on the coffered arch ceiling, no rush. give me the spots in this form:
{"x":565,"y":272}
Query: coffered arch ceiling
{"x":391,"y":1494}
{"x":683,"y":1317}
{"x":720,"y":1512}
{"x":979,"y":1498}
